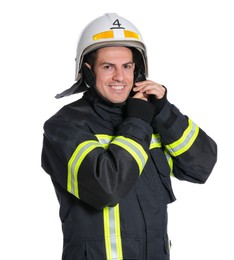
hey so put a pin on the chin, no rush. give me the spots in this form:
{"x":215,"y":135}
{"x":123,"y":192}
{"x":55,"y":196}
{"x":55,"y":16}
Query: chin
{"x":118,"y":100}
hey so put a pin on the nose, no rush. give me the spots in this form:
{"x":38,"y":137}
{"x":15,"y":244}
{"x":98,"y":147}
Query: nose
{"x":118,"y":74}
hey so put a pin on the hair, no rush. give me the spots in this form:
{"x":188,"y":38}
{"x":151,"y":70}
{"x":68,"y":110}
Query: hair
{"x":90,"y":58}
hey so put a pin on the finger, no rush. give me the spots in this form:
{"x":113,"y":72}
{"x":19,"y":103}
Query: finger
{"x":141,"y":95}
{"x":157,"y":90}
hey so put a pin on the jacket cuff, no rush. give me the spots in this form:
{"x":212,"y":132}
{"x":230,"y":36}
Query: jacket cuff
{"x":158,"y":103}
{"x":141,"y":109}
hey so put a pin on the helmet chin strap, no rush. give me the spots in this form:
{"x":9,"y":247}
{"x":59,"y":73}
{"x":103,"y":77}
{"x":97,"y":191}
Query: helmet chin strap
{"x":88,"y":76}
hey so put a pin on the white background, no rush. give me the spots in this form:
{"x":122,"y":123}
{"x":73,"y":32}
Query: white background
{"x":190,"y":49}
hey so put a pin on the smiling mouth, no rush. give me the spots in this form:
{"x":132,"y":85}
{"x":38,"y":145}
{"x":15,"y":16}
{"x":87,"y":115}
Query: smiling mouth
{"x":117,"y":87}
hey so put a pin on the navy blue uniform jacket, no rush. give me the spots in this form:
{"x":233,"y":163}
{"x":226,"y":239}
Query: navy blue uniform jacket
{"x":112,"y":176}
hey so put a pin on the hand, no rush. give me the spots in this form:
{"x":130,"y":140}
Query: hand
{"x":140,"y":95}
{"x":148,"y":87}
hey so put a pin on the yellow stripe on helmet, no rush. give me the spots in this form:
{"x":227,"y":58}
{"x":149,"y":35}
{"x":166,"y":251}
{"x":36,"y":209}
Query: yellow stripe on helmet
{"x":130,"y":34}
{"x":103,"y":35}
{"x":110,"y":35}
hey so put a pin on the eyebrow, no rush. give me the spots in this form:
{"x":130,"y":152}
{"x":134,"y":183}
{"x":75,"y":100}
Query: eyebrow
{"x":112,"y":64}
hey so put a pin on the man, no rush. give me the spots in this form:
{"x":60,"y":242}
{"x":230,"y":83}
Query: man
{"x":111,"y":153}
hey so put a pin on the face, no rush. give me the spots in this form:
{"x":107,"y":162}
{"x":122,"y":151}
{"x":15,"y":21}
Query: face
{"x":114,"y":72}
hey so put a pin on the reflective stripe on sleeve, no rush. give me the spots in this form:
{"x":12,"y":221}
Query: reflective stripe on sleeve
{"x":74,"y":164}
{"x":185,"y":142}
{"x":170,"y":162}
{"x":155,"y":141}
{"x":135,"y":149}
{"x":112,"y":233}
{"x":104,"y":139}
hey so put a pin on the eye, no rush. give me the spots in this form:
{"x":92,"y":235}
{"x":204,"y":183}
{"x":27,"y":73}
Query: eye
{"x":107,"y":67}
{"x":128,"y":66}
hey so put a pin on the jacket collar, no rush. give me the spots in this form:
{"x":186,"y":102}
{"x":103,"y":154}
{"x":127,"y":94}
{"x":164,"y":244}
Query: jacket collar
{"x":104,"y":108}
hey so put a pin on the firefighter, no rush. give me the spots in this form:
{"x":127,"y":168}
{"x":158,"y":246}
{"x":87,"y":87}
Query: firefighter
{"x":111,"y":154}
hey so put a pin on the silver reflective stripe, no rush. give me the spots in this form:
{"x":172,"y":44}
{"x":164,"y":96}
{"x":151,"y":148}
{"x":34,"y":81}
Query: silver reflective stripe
{"x":170,"y":162}
{"x":135,"y":149}
{"x":113,"y":243}
{"x":74,"y":164}
{"x":104,"y":139}
{"x":185,"y":142}
{"x":112,"y":233}
{"x":155,"y":141}
{"x":128,"y":144}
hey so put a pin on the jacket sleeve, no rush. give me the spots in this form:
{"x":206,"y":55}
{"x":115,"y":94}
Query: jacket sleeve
{"x":97,"y":169}
{"x":192,"y":151}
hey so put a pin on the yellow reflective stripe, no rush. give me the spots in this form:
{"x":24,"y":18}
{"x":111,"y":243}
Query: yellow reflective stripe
{"x":103,"y":35}
{"x":118,"y":232}
{"x":74,"y":164}
{"x":130,"y":34}
{"x":185,"y":142}
{"x":104,"y":139}
{"x":170,"y":162}
{"x":112,"y":233}
{"x":107,"y":233}
{"x":136,"y":150}
{"x":155,"y":141}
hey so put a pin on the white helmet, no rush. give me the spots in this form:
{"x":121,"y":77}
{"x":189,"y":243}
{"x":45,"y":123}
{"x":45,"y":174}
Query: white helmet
{"x":107,"y":30}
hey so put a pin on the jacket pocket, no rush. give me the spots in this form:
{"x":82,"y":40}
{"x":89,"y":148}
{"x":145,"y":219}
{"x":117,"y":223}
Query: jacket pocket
{"x":76,"y":251}
{"x":131,"y":248}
